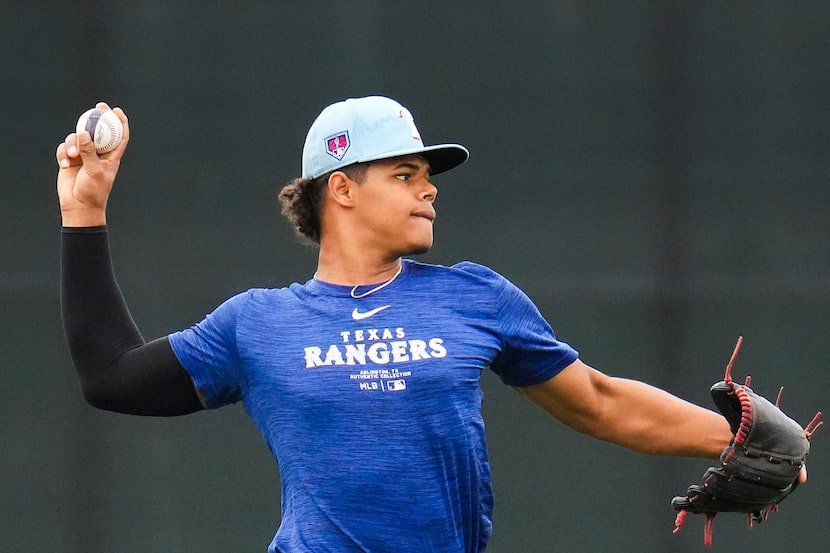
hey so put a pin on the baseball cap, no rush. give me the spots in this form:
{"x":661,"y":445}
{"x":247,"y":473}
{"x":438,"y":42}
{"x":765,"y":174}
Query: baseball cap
{"x":368,"y":129}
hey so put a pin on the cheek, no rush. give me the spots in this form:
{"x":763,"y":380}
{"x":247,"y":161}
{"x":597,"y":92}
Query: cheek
{"x":383,"y":210}
{"x":386,"y":221}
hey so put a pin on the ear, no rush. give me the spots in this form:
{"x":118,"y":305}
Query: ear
{"x":341,"y":188}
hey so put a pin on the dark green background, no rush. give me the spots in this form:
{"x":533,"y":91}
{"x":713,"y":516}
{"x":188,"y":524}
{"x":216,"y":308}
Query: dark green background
{"x":653,"y":174}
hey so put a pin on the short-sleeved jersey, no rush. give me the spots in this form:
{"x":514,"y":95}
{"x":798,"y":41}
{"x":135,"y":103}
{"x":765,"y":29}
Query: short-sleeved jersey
{"x":372,"y":406}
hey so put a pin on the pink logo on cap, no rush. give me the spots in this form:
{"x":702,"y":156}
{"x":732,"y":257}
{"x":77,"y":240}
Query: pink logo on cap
{"x":337,"y":144}
{"x":404,"y":114}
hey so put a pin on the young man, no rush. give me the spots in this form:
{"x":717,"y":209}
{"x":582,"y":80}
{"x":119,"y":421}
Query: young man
{"x":372,"y":337}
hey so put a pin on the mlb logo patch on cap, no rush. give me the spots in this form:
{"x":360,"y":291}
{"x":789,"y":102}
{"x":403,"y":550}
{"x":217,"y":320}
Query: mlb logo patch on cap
{"x":337,"y":144}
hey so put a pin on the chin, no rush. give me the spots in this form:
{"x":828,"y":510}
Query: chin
{"x":416,"y":243}
{"x":417,"y":248}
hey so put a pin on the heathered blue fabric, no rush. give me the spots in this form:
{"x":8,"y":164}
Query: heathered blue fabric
{"x":375,"y":423}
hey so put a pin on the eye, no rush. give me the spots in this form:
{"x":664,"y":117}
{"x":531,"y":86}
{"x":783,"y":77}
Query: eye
{"x":403,"y":176}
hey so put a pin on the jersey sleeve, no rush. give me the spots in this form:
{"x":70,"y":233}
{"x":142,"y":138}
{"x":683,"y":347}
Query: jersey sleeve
{"x":208,"y":352}
{"x":531,"y":352}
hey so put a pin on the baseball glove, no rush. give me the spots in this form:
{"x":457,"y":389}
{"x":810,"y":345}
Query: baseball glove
{"x":761,"y":464}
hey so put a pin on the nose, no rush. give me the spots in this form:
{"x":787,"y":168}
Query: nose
{"x":430,"y":191}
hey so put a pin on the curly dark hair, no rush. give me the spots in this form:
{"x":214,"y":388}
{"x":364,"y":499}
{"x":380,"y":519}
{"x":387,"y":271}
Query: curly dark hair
{"x":302,"y":199}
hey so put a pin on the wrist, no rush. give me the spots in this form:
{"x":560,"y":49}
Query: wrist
{"x":84,"y":218}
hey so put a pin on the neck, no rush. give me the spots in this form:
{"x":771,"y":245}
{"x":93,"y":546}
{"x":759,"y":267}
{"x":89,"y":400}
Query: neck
{"x":354,"y":270}
{"x":351,"y":254}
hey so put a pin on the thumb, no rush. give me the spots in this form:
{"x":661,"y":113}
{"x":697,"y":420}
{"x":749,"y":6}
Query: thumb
{"x":86,"y":148}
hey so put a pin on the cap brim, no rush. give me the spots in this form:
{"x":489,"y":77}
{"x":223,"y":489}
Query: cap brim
{"x":441,"y":157}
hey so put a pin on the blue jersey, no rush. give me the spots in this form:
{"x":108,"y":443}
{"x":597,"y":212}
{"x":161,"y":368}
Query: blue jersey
{"x":372,"y":406}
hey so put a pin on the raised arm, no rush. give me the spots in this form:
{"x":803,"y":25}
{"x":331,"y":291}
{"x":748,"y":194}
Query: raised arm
{"x":630,"y":413}
{"x":117,"y":370}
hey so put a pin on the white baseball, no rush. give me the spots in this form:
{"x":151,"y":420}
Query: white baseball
{"x":104,"y":126}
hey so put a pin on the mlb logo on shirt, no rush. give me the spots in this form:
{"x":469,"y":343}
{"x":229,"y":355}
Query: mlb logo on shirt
{"x":337,"y":144}
{"x":396,"y":385}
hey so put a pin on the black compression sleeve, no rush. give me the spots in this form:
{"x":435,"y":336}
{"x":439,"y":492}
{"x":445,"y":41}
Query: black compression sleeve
{"x":117,"y":370}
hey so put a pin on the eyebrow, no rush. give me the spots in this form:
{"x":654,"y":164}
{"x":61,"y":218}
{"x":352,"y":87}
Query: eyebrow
{"x":413,"y":166}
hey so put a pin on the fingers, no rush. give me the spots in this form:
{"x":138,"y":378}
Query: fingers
{"x":77,"y":148}
{"x":125,"y":136}
{"x":86,"y":149}
{"x":68,"y":152}
{"x":802,"y":475}
{"x":62,"y":156}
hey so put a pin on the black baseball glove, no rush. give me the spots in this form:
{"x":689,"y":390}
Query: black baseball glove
{"x":761,"y":464}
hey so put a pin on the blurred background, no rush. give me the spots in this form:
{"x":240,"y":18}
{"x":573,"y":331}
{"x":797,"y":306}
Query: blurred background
{"x":653,"y":174}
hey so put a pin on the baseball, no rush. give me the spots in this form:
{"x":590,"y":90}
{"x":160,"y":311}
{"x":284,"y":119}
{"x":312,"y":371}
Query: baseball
{"x":104,"y":126}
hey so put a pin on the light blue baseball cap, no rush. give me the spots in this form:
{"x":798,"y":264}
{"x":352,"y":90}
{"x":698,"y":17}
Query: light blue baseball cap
{"x":368,"y":129}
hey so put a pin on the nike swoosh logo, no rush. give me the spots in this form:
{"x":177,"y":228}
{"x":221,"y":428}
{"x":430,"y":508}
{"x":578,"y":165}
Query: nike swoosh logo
{"x":358,"y":316}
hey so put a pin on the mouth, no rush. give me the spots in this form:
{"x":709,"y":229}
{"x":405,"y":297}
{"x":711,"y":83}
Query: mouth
{"x":427,"y":214}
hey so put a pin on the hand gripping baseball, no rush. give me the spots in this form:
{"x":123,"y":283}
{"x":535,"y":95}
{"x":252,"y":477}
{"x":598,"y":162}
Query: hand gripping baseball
{"x":85,"y":178}
{"x":761,"y":464}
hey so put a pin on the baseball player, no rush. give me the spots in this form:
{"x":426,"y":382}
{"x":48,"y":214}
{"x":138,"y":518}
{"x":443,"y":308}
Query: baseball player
{"x":373,"y":340}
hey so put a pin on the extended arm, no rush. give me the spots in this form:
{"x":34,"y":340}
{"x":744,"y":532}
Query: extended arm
{"x":630,"y":413}
{"x":116,"y":369}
